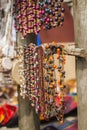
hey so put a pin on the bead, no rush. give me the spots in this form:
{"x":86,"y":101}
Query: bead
{"x":56,"y":18}
{"x":62,"y":9}
{"x":61,"y":0}
{"x":62,"y":19}
{"x":59,"y":14}
{"x":56,"y":9}
{"x":42,"y":97}
{"x":53,"y":13}
{"x":46,"y":8}
{"x":59,"y":5}
{"x":52,"y":4}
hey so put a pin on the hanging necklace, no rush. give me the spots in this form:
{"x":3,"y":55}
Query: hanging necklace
{"x":51,"y":13}
{"x":32,"y":16}
{"x":45,"y":91}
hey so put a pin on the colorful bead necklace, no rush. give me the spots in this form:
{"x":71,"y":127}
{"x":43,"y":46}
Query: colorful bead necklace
{"x":41,"y":84}
{"x":26,"y":17}
{"x":31,"y":16}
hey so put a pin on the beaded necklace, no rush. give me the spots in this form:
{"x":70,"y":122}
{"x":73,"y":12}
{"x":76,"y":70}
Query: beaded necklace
{"x":51,"y":13}
{"x":32,"y":16}
{"x":40,"y":84}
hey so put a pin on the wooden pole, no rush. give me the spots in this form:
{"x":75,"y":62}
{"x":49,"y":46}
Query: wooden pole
{"x":28,"y":119}
{"x":80,"y":26}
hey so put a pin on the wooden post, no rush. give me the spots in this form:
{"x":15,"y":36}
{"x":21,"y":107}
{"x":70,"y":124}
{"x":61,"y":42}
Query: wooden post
{"x":80,"y":26}
{"x":28,"y":119}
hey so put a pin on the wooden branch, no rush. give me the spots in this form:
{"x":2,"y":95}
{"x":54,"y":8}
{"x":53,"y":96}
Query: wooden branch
{"x":71,"y":50}
{"x":78,"y":52}
{"x":68,"y":50}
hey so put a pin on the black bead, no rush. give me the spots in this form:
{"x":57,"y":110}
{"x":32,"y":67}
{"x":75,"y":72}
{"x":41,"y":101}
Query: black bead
{"x":52,"y":4}
{"x":49,"y":2}
{"x":59,"y":5}
{"x":50,"y":11}
{"x":56,"y":9}
{"x":52,"y":69}
{"x":53,"y":13}
{"x":62,"y":19}
{"x":62,"y":10}
{"x":47,"y":10}
{"x":41,"y":4}
{"x":41,"y":21}
{"x":63,"y":72}
{"x":51,"y":80}
{"x":61,"y":0}
{"x":45,"y":1}
{"x":59,"y":14}
{"x":56,"y":18}
{"x":47,"y":27}
{"x":59,"y":67}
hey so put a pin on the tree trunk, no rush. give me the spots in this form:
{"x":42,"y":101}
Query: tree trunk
{"x":28,"y":119}
{"x":80,"y":26}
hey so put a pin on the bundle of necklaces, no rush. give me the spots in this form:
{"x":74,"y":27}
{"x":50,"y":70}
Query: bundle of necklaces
{"x":37,"y":68}
{"x":33,"y":15}
{"x":39,"y":81}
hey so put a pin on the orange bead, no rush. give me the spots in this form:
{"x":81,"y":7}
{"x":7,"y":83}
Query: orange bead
{"x":47,"y":46}
{"x":58,"y":51}
{"x":64,"y":62}
{"x":61,"y":86}
{"x":61,"y":95}
{"x":63,"y":56}
{"x":60,"y":74}
{"x":54,"y":43}
{"x":61,"y":122}
{"x":45,"y":59}
{"x":51,"y":58}
{"x":50,"y":96}
{"x":53,"y":83}
{"x":59,"y":82}
{"x":51,"y":73}
{"x":60,"y":103}
{"x":51,"y":86}
{"x":61,"y":24}
{"x":41,"y":117}
{"x":2,"y":117}
{"x":65,"y":59}
{"x":54,"y":66}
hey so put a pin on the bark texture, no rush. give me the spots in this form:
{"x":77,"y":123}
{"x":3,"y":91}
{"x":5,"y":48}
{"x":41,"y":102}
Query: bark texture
{"x":80,"y":27}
